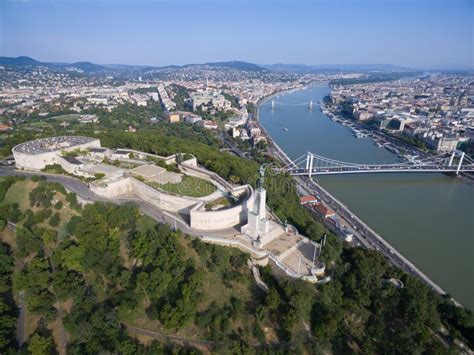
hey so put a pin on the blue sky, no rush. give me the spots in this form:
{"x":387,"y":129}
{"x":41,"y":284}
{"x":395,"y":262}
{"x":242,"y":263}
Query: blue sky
{"x":421,"y":33}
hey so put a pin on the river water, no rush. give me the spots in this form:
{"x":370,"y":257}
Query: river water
{"x":429,"y":218}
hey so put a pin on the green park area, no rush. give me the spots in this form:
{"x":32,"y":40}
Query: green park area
{"x":189,"y":186}
{"x":47,"y":122}
{"x":68,"y":117}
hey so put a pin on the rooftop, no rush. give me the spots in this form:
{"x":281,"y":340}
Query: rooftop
{"x":51,"y":144}
{"x":147,"y":171}
{"x":72,"y":160}
{"x":307,"y":199}
{"x":324,"y":210}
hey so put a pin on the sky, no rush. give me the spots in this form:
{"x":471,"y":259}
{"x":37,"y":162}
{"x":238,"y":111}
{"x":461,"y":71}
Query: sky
{"x":412,"y":33}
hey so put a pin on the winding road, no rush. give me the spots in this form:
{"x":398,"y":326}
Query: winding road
{"x":83,"y":191}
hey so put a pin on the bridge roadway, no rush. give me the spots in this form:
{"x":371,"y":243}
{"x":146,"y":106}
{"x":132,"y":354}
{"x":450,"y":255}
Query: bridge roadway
{"x":380,"y":169}
{"x":363,"y":234}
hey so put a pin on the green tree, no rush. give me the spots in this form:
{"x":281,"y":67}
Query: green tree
{"x":39,"y":345}
{"x":55,"y":220}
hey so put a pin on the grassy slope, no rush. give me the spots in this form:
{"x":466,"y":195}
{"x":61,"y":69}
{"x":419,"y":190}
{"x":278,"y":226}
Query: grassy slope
{"x":19,"y":193}
{"x":189,"y":186}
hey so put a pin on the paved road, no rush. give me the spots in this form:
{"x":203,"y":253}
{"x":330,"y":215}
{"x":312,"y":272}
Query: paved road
{"x":172,"y":338}
{"x":195,"y":342}
{"x":83,"y":191}
{"x":21,"y":322}
{"x":365,"y":235}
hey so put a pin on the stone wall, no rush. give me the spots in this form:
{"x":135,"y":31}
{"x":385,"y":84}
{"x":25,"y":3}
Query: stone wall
{"x":196,"y":171}
{"x":34,"y":162}
{"x":112,"y":189}
{"x":164,"y":201}
{"x":262,"y":256}
{"x":221,"y":219}
{"x":200,"y":219}
{"x":72,"y":168}
{"x":37,"y":162}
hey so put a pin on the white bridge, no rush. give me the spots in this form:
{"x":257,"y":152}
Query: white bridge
{"x":309,"y":104}
{"x":311,"y":164}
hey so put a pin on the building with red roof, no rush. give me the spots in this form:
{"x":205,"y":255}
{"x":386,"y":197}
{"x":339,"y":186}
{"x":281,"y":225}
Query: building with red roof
{"x":324,"y":211}
{"x":308,"y":200}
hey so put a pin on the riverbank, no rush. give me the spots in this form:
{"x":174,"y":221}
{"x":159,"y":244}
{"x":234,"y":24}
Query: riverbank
{"x":274,"y":120}
{"x":402,"y":148}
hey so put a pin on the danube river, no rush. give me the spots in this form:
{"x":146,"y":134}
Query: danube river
{"x":429,"y":218}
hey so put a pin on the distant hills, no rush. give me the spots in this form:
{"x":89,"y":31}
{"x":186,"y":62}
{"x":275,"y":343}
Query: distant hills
{"x":19,"y":61}
{"x":239,"y":65}
{"x":91,"y":68}
{"x":24,"y":61}
{"x":303,"y":68}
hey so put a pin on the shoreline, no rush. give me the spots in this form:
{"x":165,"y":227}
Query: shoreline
{"x":280,"y":155}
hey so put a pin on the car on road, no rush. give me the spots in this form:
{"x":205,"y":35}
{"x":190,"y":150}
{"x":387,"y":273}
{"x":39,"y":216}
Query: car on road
{"x":8,"y":162}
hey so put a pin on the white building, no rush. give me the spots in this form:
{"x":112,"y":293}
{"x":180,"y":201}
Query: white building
{"x":212,"y":98}
{"x":37,"y":154}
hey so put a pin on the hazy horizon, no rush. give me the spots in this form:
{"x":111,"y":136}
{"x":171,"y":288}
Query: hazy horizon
{"x":413,"y":34}
{"x":323,"y":65}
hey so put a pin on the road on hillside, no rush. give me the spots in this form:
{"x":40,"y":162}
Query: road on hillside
{"x":83,"y":191}
{"x":21,"y":322}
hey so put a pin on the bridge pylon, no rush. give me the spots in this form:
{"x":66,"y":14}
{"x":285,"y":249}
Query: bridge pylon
{"x":309,"y":163}
{"x":454,"y":154}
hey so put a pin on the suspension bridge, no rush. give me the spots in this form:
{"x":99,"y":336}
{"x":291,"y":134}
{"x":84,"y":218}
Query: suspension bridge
{"x":311,"y":164}
{"x":308,"y":104}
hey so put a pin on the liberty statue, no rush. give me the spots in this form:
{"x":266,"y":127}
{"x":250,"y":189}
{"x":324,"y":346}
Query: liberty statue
{"x":261,"y":180}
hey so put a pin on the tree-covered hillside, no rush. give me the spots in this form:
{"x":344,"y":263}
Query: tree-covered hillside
{"x":100,"y":269}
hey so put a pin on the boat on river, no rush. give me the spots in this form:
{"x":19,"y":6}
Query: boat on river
{"x":392,"y":149}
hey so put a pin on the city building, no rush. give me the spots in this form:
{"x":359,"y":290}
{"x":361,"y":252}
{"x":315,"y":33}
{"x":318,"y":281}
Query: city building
{"x":308,"y":200}
{"x":208,"y":124}
{"x":172,"y":117}
{"x":208,"y":98}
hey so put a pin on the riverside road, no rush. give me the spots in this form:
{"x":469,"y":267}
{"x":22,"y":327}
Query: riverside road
{"x":363,"y":234}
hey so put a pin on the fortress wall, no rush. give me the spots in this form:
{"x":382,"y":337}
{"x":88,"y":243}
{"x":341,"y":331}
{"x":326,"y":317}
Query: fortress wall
{"x":113,"y":189}
{"x":196,"y":171}
{"x":221,"y":219}
{"x":37,"y":162}
{"x":164,"y":201}
{"x":93,"y":144}
{"x":142,"y":155}
{"x":262,"y":255}
{"x":190,"y":162}
{"x":72,"y":168}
